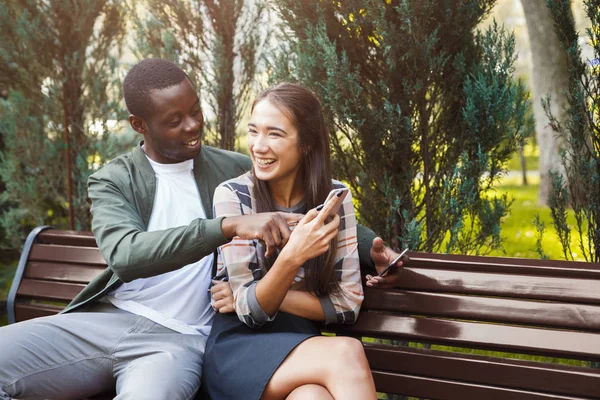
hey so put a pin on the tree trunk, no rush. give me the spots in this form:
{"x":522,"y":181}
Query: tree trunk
{"x":226,"y":115}
{"x":550,"y":78}
{"x":523,"y":166}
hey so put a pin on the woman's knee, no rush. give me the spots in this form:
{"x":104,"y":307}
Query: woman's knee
{"x":350,"y":356}
{"x":310,"y":392}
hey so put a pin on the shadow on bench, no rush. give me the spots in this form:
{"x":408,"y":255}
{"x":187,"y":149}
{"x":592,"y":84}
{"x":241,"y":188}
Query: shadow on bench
{"x":541,"y":308}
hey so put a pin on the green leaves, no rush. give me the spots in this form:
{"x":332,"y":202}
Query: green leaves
{"x":581,"y":157}
{"x":59,"y":62}
{"x":424,"y":112}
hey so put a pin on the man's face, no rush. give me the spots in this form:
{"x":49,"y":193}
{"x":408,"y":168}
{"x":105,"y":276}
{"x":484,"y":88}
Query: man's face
{"x":172,"y":133}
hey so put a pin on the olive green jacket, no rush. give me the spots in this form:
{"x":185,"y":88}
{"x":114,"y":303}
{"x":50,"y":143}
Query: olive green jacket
{"x":122,"y":195}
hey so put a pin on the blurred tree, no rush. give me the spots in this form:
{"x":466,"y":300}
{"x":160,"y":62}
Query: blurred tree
{"x":581,"y":129}
{"x":424,"y":112}
{"x":550,"y":78}
{"x":217,"y":42}
{"x":58,"y":60}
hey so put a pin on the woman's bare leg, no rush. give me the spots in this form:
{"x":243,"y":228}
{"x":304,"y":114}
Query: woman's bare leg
{"x":337,"y":363}
{"x":310,"y":392}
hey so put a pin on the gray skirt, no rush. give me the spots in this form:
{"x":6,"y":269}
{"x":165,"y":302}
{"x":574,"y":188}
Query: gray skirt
{"x":239,"y":361}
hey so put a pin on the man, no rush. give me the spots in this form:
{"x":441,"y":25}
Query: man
{"x":141,"y":326}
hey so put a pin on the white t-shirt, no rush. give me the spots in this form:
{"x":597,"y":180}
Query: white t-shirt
{"x":178,"y":300}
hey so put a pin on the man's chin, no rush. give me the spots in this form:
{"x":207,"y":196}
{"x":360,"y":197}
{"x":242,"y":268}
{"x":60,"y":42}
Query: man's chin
{"x":193,"y":152}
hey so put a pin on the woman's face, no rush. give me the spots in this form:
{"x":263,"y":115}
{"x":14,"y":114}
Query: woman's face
{"x":273,"y":144}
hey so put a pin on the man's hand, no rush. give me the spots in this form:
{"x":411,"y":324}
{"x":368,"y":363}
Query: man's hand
{"x":222,"y":297}
{"x":272,"y":228}
{"x":382,"y":256}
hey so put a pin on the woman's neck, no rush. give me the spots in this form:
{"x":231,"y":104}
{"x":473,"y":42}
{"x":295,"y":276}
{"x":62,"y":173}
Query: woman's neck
{"x":287,"y":194}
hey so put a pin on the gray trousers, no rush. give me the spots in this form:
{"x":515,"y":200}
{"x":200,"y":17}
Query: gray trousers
{"x":80,"y":354}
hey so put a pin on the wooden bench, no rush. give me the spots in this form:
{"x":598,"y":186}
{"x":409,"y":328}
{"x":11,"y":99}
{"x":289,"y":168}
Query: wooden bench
{"x":444,"y":302}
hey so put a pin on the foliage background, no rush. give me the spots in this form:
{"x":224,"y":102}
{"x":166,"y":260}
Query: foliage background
{"x":44,"y":71}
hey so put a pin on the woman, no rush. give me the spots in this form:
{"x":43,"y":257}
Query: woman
{"x":271,"y":347}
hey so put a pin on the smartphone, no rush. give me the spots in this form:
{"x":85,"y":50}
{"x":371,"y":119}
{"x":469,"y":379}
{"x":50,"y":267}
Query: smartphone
{"x":385,"y":271}
{"x":338,"y":196}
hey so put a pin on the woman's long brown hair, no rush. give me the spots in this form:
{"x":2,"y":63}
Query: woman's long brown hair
{"x":304,"y":110}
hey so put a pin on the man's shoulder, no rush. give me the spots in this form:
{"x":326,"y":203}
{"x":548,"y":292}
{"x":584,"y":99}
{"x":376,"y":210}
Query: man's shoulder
{"x":116,"y":167}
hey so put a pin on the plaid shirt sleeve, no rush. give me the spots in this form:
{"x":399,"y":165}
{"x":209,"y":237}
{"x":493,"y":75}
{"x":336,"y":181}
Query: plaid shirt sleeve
{"x":343,"y":307}
{"x":239,"y":260}
{"x":239,"y":257}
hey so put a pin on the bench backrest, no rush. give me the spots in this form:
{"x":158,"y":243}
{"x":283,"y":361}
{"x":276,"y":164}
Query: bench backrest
{"x":55,"y":266}
{"x":533,"y":307}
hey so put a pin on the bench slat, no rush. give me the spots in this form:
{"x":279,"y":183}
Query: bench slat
{"x":54,"y":291}
{"x":68,"y":254}
{"x":69,"y":238}
{"x":492,"y":309}
{"x":441,"y":297}
{"x":553,"y":343}
{"x":62,"y":272}
{"x":516,"y":374}
{"x":503,"y":285}
{"x":24,"y":312}
{"x":506,"y":265}
{"x":432,"y":388}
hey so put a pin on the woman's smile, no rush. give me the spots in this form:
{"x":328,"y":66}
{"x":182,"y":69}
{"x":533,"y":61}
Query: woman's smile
{"x":264,"y":162}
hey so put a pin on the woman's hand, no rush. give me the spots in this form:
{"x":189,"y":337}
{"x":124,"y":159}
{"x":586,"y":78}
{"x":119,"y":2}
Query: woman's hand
{"x":313,"y":234}
{"x":222,"y":297}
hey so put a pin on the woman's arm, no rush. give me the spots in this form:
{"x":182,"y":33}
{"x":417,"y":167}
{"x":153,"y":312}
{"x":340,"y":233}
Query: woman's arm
{"x":343,"y":307}
{"x":310,"y":239}
{"x":239,"y":258}
{"x":303,"y":304}
{"x":257,"y":300}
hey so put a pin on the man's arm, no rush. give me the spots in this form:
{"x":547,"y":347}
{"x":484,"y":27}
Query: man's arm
{"x":133,"y":253}
{"x":365,"y":241}
{"x":373,"y":254}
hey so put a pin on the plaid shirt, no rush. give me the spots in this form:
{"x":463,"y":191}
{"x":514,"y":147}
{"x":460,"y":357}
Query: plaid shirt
{"x":244,"y":263}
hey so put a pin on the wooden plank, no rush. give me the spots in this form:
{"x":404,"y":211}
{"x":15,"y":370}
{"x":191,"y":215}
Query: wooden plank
{"x":505,"y":265}
{"x":62,"y":272}
{"x":67,"y":254}
{"x":69,"y":238}
{"x":491,"y":309}
{"x":24,"y":312}
{"x":431,"y":388}
{"x":501,"y":285}
{"x":547,"y":342}
{"x":55,"y":291}
{"x":513,"y":374}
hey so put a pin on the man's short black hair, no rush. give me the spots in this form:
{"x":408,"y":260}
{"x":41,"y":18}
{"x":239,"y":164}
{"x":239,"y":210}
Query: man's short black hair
{"x":144,"y":77}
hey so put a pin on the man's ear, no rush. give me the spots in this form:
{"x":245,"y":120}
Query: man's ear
{"x":137,"y":124}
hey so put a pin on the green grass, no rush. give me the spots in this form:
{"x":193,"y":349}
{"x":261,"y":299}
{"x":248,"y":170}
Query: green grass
{"x":518,"y":232}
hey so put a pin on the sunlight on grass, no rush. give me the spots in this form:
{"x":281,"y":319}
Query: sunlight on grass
{"x":518,"y":231}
